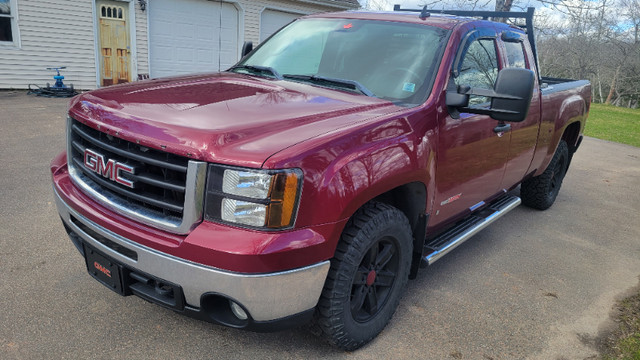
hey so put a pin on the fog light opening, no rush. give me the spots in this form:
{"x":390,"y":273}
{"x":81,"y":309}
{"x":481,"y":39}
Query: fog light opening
{"x":238,"y":311}
{"x":224,"y":310}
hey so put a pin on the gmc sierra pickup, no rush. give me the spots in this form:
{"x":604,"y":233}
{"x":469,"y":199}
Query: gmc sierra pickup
{"x":312,"y":179}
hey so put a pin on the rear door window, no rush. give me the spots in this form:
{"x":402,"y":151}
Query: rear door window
{"x":515,"y":55}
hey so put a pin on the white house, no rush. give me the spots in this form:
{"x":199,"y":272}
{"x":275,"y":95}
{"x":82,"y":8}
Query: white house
{"x":103,"y":42}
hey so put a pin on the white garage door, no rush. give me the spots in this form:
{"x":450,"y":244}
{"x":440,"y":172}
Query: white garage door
{"x":272,"y":20}
{"x":190,"y":36}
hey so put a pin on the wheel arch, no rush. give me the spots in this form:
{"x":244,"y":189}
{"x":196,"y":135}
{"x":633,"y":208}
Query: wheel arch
{"x":411,"y":200}
{"x":569,"y":124}
{"x":573,"y":137}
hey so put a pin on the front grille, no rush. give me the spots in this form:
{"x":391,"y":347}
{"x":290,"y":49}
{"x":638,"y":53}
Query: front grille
{"x":160,"y":194}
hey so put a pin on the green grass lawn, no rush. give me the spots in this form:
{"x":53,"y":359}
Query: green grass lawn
{"x":624,"y":342}
{"x":614,"y":123}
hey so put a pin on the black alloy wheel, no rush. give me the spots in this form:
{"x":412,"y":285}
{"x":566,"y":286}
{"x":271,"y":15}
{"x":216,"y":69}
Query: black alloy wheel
{"x":367,"y":276}
{"x":540,"y":192}
{"x":374,"y":279}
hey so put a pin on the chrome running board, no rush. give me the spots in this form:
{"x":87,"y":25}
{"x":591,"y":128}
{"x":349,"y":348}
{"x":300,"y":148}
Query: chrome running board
{"x":469,"y":226}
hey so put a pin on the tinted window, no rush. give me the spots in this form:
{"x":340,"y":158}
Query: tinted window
{"x":515,"y":54}
{"x":395,"y":61}
{"x":479,"y":68}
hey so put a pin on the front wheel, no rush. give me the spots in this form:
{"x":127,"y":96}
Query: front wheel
{"x":540,"y":192}
{"x":367,"y":276}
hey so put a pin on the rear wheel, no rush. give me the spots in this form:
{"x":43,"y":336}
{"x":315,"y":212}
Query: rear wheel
{"x":367,"y":276}
{"x":540,"y":192}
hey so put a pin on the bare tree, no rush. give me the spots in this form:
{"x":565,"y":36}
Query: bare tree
{"x":596,"y":40}
{"x":504,"y":5}
{"x":374,"y":4}
{"x":459,"y":4}
{"x":632,"y":14}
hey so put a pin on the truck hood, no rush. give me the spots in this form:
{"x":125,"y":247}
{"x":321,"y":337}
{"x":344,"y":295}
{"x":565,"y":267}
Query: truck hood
{"x":224,"y":117}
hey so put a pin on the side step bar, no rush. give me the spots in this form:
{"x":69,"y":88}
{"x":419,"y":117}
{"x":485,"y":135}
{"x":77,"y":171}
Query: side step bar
{"x":469,"y":226}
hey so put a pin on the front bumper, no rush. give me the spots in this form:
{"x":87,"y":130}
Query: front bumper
{"x":271,"y":300}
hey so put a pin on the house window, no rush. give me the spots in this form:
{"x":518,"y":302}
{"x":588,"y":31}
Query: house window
{"x":8,"y":25}
{"x":110,"y":12}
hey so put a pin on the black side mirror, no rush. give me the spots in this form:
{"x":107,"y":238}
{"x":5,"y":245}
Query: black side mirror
{"x":519,"y":84}
{"x":510,"y":98}
{"x":247,"y":47}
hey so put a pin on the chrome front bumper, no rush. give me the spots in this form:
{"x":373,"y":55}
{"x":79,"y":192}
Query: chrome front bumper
{"x":266,"y":297}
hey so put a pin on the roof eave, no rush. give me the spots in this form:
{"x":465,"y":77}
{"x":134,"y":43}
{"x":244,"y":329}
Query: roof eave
{"x":334,"y":4}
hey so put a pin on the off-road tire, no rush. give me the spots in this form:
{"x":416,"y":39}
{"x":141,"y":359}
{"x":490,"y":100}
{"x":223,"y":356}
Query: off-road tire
{"x":371,"y":262}
{"x":540,"y":192}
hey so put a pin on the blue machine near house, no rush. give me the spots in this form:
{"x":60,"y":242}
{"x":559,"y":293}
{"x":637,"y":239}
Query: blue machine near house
{"x":59,"y":89}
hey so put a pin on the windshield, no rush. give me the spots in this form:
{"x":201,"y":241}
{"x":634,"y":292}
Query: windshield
{"x":390,"y":60}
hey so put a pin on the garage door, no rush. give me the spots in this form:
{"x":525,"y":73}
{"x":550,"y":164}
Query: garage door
{"x":272,"y":20}
{"x":190,"y":36}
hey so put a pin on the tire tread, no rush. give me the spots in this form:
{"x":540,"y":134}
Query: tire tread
{"x":535,"y":191}
{"x":328,"y":316}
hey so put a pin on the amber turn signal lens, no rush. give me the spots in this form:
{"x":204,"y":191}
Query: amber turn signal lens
{"x":283,"y":195}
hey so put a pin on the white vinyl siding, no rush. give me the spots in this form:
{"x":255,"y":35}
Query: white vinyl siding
{"x":56,"y":33}
{"x":254,"y":9}
{"x":141,"y":61}
{"x":52,"y":33}
{"x":272,"y":20}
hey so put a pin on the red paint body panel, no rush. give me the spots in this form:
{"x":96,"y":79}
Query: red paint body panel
{"x":559,"y":110}
{"x":351,"y":148}
{"x":225,"y":118}
{"x":215,"y":245}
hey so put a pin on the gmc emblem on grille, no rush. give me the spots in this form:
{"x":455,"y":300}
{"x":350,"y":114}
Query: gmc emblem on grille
{"x":110,"y":169}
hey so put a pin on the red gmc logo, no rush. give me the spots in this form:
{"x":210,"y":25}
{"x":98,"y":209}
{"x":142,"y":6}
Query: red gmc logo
{"x":110,"y":169}
{"x":101,"y":268}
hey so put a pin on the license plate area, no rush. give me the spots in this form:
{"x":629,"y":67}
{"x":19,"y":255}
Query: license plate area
{"x":103,"y":269}
{"x":126,"y":281}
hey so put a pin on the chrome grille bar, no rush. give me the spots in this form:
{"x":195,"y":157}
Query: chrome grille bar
{"x":168,"y":189}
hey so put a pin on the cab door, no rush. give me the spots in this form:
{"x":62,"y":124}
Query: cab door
{"x":114,"y":42}
{"x":471,"y":155}
{"x":524,"y":135}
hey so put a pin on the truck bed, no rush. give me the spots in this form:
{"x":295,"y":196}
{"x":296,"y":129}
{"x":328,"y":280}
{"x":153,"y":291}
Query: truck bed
{"x":551,"y":84}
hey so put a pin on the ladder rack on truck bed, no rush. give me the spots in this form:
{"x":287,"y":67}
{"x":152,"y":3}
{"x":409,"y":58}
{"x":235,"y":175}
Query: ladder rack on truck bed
{"x":485,"y":15}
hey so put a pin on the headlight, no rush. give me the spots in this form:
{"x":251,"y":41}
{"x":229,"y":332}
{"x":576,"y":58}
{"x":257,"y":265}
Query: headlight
{"x":254,"y":198}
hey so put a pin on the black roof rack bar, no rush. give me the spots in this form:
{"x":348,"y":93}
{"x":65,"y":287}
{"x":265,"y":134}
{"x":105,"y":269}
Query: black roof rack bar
{"x":474,"y":13}
{"x":527,"y":15}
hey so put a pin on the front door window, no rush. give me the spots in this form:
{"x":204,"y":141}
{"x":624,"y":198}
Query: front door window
{"x":479,"y":68}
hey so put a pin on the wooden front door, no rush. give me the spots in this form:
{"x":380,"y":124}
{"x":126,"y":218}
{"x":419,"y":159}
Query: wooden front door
{"x":115,"y":46}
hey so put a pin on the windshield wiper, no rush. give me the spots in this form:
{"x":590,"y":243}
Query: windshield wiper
{"x":333,"y":82}
{"x":258,"y":69}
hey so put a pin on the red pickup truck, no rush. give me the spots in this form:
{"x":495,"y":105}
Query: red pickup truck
{"x":312,"y":179}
